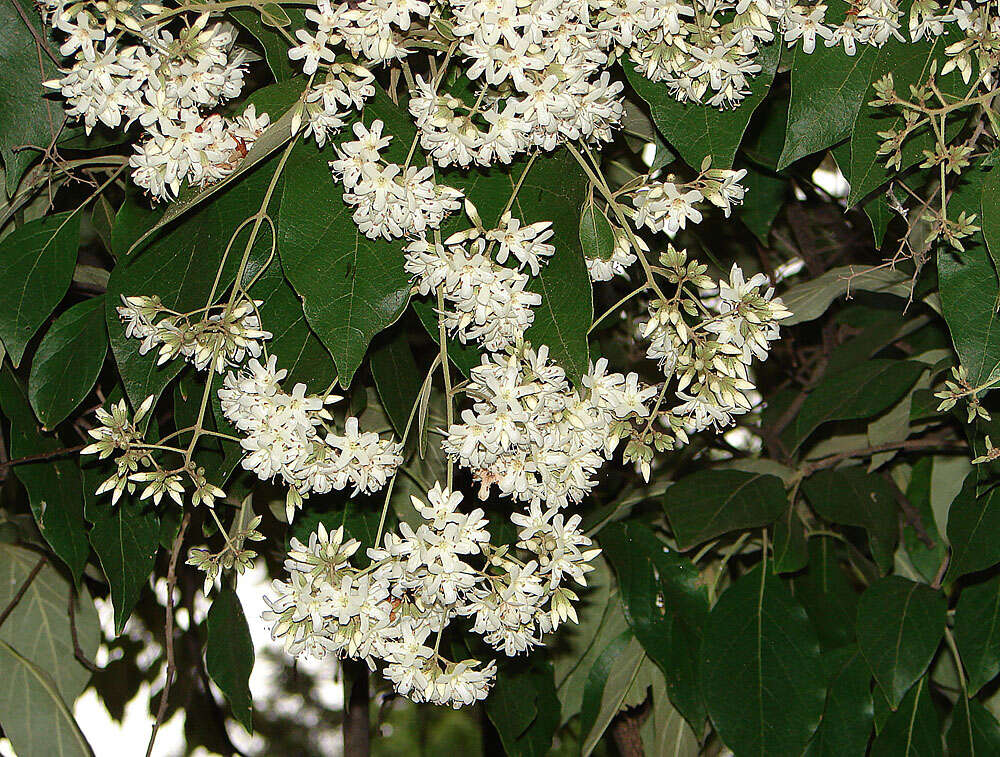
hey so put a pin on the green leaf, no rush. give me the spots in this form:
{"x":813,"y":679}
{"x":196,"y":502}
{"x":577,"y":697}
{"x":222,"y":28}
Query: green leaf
{"x":974,"y":732}
{"x":619,"y":678}
{"x":33,"y":714}
{"x":697,"y":131}
{"x":791,"y":548}
{"x":828,"y":88}
{"x":713,"y":502}
{"x":926,"y":559}
{"x":36,"y":266}
{"x":764,"y":199}
{"x":524,"y":709}
{"x":809,"y":299}
{"x":973,"y":525}
{"x":68,"y":361}
{"x":900,"y":624}
{"x":969,"y":291}
{"x":30,"y":120}
{"x":859,"y":392}
{"x":910,"y":63}
{"x":852,"y":497}
{"x":597,"y":238}
{"x":666,"y":732}
{"x":53,"y":486}
{"x":179,"y":266}
{"x":277,"y":98}
{"x":125,"y":537}
{"x":849,"y":712}
{"x":465,"y":357}
{"x":351,"y":287}
{"x":666,"y":605}
{"x":913,"y":730}
{"x":977,"y":632}
{"x":760,"y":668}
{"x":553,"y":191}
{"x":601,"y":620}
{"x":273,"y":41}
{"x":298,"y":349}
{"x":397,"y":378}
{"x":38,"y":626}
{"x":229,"y":655}
{"x":824,"y":590}
{"x":989,"y":219}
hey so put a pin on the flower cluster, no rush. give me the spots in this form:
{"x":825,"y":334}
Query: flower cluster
{"x":136,"y":464}
{"x":389,"y":200}
{"x":536,"y":437}
{"x":287,"y":436}
{"x":166,"y":82}
{"x":215,"y":339}
{"x":711,"y":359}
{"x":396,"y":609}
{"x":491,"y":303}
{"x":669,"y":206}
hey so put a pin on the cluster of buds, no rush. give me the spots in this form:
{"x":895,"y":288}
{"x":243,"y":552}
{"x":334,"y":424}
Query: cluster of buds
{"x":219,"y":337}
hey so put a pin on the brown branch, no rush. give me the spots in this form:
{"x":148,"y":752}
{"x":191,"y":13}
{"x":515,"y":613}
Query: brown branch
{"x":39,"y":458}
{"x":356,"y":705}
{"x":625,"y":730}
{"x":169,"y":630}
{"x":909,"y":444}
{"x":942,"y":569}
{"x":24,"y":587}
{"x":34,"y":32}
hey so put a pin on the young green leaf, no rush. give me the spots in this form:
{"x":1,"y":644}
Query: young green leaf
{"x":597,"y":238}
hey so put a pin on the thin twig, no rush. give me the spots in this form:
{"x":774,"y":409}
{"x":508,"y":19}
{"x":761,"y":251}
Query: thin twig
{"x":34,"y":32}
{"x":78,"y":652}
{"x":39,"y":458}
{"x":169,"y":630}
{"x":24,"y":587}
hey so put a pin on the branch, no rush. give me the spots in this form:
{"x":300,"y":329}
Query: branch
{"x":909,"y":444}
{"x":34,"y":32}
{"x":169,"y":631}
{"x":39,"y":458}
{"x":356,"y":703}
{"x":77,"y":651}
{"x":24,"y":587}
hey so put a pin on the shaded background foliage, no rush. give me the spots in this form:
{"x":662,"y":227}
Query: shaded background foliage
{"x":821,"y":579}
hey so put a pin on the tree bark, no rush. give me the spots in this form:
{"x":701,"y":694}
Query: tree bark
{"x":356,"y":709}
